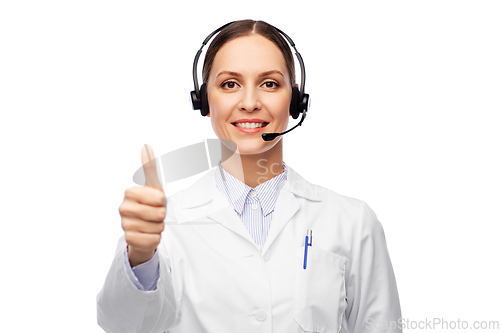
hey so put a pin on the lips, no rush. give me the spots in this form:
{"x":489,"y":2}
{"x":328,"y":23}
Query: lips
{"x":254,"y":125}
{"x":250,"y":120}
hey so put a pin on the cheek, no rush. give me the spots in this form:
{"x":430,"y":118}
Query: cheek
{"x":280,"y":107}
{"x":220,"y":106}
{"x":220,"y":111}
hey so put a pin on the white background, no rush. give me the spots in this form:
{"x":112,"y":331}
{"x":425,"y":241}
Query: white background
{"x":405,"y":116}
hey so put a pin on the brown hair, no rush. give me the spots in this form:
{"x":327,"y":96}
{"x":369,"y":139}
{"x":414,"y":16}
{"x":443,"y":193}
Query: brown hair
{"x":246,"y":28}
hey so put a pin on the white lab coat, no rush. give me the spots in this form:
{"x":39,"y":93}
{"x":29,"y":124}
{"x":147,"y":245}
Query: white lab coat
{"x":213,"y":278}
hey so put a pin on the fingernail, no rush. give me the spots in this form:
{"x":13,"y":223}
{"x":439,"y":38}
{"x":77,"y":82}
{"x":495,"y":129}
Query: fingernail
{"x":147,"y":152}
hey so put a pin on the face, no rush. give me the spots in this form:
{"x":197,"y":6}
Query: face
{"x":249,"y":83}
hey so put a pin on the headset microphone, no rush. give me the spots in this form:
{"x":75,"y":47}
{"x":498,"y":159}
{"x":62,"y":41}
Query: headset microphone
{"x":299,"y":103}
{"x":272,"y":136}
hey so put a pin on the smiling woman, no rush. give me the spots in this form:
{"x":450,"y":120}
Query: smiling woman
{"x":235,"y":251}
{"x":249,"y":83}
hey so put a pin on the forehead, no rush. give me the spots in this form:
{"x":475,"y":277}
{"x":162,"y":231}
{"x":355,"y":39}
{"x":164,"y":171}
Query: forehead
{"x":249,"y":55}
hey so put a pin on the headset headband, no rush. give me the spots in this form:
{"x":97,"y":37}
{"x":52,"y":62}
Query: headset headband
{"x":195,"y":64}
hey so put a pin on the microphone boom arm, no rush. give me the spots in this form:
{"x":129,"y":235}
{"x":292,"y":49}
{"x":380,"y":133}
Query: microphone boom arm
{"x":272,"y":136}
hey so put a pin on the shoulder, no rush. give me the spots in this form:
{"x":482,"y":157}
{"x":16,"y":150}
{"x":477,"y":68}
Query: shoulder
{"x":352,"y":211}
{"x":361,"y":215}
{"x":198,"y":193}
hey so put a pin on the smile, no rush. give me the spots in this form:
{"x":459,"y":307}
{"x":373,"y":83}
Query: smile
{"x":250,"y":128}
{"x":250,"y":125}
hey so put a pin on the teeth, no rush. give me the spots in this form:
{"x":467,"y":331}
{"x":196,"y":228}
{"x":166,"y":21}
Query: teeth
{"x":249,"y":125}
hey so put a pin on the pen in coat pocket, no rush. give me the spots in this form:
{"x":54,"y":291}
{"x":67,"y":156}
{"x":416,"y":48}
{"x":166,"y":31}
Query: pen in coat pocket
{"x":308,"y":242}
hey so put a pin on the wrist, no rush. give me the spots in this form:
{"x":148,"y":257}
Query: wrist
{"x":137,"y":257}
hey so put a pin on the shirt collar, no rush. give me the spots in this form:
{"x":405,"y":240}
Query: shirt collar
{"x":237,"y":192}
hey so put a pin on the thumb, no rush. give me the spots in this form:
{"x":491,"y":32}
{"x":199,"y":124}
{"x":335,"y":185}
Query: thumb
{"x":149,"y":166}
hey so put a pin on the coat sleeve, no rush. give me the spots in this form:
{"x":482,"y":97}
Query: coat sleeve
{"x":372,"y":295}
{"x":123,"y":308}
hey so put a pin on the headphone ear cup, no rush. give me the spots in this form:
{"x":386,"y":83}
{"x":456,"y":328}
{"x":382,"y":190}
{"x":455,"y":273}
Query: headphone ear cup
{"x":204,"y":100}
{"x":294,"y":103}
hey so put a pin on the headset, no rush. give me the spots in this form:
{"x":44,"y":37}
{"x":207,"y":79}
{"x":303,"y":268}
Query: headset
{"x":300,"y":100}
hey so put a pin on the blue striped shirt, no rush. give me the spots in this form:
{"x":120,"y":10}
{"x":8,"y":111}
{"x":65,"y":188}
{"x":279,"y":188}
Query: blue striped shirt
{"x":254,"y":206}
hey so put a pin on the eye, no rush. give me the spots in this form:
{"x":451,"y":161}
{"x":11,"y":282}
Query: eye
{"x":229,"y":85}
{"x":271,"y":84}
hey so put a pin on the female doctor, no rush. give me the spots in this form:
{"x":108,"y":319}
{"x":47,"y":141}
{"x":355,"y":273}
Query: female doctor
{"x":230,"y":253}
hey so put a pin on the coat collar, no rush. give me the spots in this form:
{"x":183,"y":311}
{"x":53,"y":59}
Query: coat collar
{"x":204,"y":190}
{"x":203,"y":204}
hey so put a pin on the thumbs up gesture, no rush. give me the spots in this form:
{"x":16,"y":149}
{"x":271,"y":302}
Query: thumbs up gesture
{"x":143,"y":212}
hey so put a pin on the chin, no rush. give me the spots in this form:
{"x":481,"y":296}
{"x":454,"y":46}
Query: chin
{"x":255,"y":146}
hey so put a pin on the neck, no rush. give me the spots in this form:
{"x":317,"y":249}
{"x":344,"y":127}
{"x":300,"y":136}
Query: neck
{"x":253,"y":169}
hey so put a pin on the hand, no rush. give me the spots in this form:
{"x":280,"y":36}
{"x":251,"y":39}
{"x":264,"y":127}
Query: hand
{"x":143,"y":212}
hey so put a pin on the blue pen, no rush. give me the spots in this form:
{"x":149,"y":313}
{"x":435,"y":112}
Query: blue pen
{"x":308,"y":242}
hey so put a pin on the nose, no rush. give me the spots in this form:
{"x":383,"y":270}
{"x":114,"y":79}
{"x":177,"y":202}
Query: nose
{"x":250,"y":100}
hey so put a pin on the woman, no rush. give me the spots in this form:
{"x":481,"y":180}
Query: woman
{"x":228,"y":254}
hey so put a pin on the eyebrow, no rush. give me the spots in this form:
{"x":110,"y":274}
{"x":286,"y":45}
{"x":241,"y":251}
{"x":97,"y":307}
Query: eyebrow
{"x":229,"y":73}
{"x":274,"y":71}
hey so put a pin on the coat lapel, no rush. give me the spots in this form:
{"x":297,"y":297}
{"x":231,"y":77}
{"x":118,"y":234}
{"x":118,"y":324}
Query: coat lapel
{"x":286,"y":207}
{"x":223,"y":213}
{"x":203,"y":203}
{"x":288,"y":204}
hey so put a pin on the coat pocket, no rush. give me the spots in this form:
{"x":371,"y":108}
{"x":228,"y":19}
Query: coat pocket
{"x":320,"y":293}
